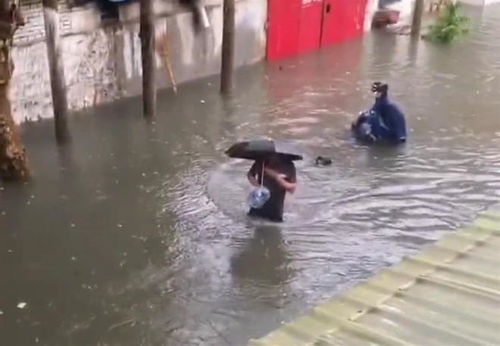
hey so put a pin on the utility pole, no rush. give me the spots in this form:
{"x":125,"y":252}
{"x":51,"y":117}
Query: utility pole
{"x":147,"y":35}
{"x":13,"y":162}
{"x":416,"y":24}
{"x":56,"y":71}
{"x":228,"y":32}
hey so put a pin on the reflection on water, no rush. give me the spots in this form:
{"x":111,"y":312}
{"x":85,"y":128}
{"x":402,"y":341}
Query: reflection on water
{"x":263,"y":259}
{"x":137,"y":234}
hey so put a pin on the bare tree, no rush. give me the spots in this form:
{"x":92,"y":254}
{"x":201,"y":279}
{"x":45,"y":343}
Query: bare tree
{"x":13,"y":162}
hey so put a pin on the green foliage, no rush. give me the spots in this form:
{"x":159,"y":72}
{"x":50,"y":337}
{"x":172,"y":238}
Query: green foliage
{"x":450,"y":25}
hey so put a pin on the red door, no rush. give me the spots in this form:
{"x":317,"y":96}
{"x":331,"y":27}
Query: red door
{"x":283,"y":29}
{"x":342,"y":20}
{"x":311,"y":17}
{"x":334,"y":13}
{"x":297,"y":26}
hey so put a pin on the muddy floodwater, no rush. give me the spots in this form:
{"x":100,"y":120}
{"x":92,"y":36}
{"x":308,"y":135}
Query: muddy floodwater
{"x":137,"y":234}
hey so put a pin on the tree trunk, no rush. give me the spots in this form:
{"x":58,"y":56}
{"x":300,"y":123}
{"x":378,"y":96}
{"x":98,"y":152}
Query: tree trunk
{"x":416,"y":24}
{"x":148,"y":59}
{"x":56,"y":71}
{"x":13,"y":162}
{"x":227,"y":66}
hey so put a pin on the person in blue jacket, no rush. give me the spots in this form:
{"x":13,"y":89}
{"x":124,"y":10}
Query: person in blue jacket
{"x":384,"y":122}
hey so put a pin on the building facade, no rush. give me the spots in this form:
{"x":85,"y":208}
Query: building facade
{"x":102,"y":57}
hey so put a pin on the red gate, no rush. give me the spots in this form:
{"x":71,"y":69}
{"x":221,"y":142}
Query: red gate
{"x":298,"y":26}
{"x":311,"y":17}
{"x":342,"y":20}
{"x":283,"y":30}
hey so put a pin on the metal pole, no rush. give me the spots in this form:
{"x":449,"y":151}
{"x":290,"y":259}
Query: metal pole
{"x":228,"y":32}
{"x":418,"y":11}
{"x":147,"y":34}
{"x":56,"y":71}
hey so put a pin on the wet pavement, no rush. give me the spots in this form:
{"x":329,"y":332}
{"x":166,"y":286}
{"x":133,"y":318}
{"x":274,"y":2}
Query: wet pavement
{"x":137,"y":234}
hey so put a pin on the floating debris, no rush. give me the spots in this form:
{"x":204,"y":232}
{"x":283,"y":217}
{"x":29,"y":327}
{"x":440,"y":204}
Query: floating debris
{"x":202,"y":101}
{"x":21,"y":305}
{"x":121,"y":324}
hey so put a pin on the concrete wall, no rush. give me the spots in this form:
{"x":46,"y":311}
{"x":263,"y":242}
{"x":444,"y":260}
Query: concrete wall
{"x":480,"y":2}
{"x":104,"y":63}
{"x":371,"y":8}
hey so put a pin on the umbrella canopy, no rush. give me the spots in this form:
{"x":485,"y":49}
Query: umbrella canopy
{"x":261,"y":149}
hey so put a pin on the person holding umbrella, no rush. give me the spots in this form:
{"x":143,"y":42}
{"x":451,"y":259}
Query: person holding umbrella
{"x":273,"y":174}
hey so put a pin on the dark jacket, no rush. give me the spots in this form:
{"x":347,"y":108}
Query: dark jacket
{"x":392,"y":124}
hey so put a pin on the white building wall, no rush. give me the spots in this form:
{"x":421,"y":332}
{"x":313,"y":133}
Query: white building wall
{"x":103,"y":64}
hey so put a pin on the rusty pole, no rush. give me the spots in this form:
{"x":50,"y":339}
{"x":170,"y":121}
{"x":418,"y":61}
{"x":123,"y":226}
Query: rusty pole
{"x":228,"y":32}
{"x":147,"y":34}
{"x":56,"y":71}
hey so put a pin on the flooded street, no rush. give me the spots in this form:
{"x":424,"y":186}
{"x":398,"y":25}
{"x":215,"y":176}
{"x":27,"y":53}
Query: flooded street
{"x":137,"y":234}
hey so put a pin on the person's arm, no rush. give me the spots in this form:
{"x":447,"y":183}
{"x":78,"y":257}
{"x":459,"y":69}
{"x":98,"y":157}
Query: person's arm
{"x":281,"y":179}
{"x":251,"y":175}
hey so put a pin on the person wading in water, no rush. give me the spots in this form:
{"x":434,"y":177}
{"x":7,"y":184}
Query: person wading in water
{"x":279,"y":177}
{"x":384,"y":122}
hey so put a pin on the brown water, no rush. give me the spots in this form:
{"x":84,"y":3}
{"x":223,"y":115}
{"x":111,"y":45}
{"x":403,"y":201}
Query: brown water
{"x":137,"y":235}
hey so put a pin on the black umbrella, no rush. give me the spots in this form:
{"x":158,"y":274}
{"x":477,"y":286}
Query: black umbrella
{"x":261,"y":149}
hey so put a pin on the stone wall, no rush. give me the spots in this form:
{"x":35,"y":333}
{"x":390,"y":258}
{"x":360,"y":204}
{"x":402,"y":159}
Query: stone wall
{"x":103,"y":62}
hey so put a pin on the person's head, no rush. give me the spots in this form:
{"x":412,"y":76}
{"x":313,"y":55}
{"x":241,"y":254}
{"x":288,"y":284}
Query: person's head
{"x":380,"y":89}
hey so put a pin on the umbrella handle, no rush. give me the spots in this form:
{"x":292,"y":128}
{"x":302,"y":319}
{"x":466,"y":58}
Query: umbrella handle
{"x":262,"y":175}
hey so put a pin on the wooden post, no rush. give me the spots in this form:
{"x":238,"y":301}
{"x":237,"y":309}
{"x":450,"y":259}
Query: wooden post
{"x":13,"y":162}
{"x":56,"y":71}
{"x":418,"y":11}
{"x":148,"y":59}
{"x":228,"y":32}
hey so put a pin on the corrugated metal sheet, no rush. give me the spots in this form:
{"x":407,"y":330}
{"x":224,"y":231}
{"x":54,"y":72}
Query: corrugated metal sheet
{"x":449,"y":294}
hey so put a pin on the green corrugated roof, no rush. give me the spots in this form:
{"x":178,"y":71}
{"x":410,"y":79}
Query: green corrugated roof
{"x":449,"y":294}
